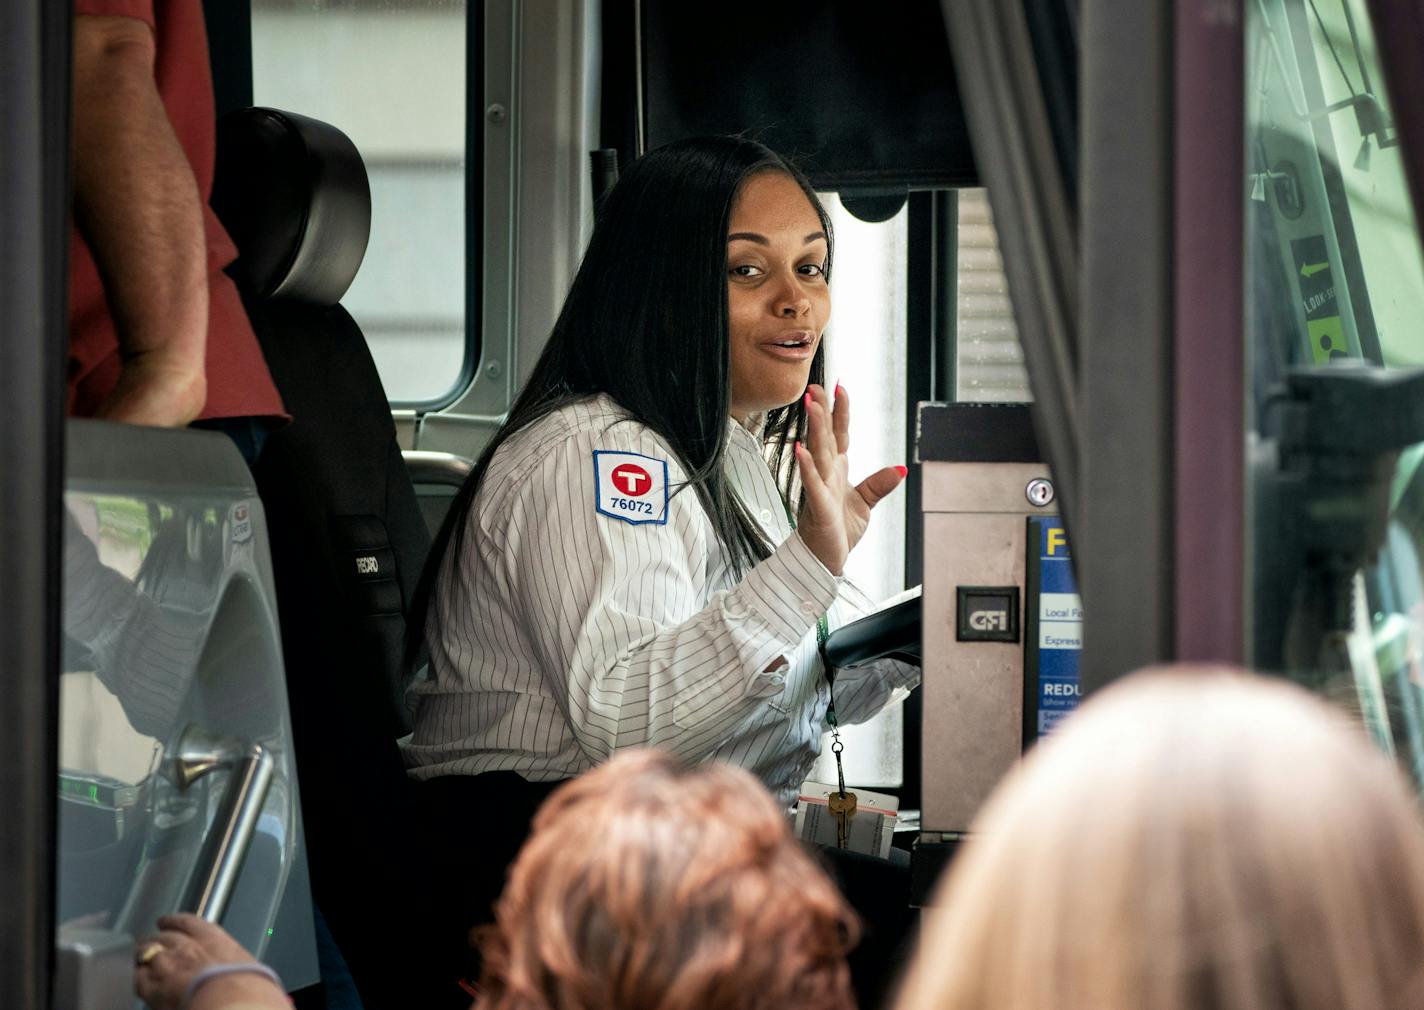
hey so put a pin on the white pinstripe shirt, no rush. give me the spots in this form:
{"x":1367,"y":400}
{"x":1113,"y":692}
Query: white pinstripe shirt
{"x":564,"y":634}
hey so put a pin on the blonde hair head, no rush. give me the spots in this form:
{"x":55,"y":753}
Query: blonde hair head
{"x":1193,"y":839}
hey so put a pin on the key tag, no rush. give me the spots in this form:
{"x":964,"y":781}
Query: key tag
{"x":832,"y":815}
{"x":869,"y":830}
{"x":835,"y":817}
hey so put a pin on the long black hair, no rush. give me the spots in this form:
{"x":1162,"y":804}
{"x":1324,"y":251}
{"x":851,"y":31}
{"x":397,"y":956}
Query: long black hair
{"x":646,"y":322}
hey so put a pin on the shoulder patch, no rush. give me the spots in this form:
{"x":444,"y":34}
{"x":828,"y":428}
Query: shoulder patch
{"x":630,"y":487}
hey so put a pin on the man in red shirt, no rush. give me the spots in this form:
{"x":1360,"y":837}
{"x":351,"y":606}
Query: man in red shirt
{"x":158,"y":334}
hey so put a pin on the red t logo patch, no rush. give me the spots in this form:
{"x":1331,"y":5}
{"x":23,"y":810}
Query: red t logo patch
{"x":632,"y":479}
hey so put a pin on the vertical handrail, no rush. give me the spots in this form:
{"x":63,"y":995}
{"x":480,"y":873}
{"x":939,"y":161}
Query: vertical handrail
{"x":225,"y":845}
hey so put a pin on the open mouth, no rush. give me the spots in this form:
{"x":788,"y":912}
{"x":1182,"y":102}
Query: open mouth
{"x":794,"y":340}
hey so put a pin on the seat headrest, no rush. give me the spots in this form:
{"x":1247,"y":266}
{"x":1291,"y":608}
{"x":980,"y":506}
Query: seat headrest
{"x":293,"y":194}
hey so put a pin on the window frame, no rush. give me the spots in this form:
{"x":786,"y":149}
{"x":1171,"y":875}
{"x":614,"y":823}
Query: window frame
{"x":34,"y":162}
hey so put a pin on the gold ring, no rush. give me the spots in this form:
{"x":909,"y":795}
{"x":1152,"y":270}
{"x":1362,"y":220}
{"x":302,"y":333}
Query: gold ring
{"x":150,"y":952}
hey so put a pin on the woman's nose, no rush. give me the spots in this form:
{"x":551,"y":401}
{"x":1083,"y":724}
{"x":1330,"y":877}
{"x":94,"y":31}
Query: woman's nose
{"x":791,"y":301}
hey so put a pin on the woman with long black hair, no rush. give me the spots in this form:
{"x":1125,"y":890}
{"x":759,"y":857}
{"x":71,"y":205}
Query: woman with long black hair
{"x":650,"y":548}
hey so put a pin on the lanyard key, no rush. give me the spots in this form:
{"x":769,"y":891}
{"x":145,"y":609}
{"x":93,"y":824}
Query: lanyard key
{"x":842,"y":808}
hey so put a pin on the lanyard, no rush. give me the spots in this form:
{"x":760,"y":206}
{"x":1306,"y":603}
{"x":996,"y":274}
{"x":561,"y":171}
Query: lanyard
{"x":837,"y":747}
{"x":823,"y":632}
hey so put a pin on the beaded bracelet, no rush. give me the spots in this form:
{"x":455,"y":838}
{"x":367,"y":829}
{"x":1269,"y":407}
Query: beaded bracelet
{"x":213,"y":971}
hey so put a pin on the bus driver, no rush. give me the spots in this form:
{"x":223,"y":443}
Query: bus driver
{"x":622,"y":567}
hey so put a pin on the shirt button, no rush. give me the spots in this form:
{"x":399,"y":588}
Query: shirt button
{"x":810,"y":609}
{"x":766,"y":516}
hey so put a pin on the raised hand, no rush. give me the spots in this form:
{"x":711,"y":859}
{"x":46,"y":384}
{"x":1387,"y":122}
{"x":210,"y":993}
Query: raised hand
{"x":836,"y":513}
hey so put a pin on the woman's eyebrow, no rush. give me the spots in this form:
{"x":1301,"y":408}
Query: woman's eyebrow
{"x":751,"y":236}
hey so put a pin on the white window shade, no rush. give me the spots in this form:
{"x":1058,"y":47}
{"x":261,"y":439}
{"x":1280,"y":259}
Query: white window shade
{"x":990,"y":359}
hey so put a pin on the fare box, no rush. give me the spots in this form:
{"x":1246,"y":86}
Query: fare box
{"x":871,"y":830}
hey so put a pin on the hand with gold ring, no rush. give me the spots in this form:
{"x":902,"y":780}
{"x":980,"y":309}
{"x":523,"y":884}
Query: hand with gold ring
{"x":184,"y":948}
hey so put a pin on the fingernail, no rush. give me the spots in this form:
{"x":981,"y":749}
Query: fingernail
{"x":798,"y":445}
{"x":903,"y":470}
{"x":838,"y":390}
{"x":807,"y":399}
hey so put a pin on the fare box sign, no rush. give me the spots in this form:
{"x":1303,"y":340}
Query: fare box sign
{"x":1060,"y":626}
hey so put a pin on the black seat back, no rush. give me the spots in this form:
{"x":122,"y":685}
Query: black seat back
{"x":348,"y":538}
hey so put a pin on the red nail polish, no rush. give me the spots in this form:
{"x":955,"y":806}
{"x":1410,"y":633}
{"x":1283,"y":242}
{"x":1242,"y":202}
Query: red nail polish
{"x":807,"y":399}
{"x":838,"y":391}
{"x":798,"y":445}
{"x":903,"y":470}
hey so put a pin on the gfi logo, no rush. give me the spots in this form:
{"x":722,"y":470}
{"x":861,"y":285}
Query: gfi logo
{"x":989,"y":620}
{"x":987,"y":613}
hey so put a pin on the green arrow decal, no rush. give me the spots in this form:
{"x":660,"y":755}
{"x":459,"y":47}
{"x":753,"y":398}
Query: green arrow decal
{"x":1311,"y":269}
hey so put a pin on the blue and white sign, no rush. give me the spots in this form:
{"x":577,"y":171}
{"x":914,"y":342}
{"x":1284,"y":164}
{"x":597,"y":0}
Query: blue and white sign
{"x":1060,"y":625}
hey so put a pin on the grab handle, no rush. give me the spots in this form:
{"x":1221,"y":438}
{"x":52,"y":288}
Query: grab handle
{"x":225,"y":845}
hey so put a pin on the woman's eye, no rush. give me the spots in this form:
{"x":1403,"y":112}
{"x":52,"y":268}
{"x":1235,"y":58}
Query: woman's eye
{"x":813,"y":270}
{"x":745,"y":270}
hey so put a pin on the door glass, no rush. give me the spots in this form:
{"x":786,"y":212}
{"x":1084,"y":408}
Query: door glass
{"x":168,"y":650}
{"x":1335,"y":292}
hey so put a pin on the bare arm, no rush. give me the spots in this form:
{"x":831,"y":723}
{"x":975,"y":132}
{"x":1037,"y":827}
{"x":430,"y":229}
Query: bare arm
{"x":137,"y":205}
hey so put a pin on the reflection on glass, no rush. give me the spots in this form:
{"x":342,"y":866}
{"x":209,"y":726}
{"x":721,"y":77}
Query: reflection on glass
{"x":141,"y":585}
{"x":1335,"y":289}
{"x":110,"y":723}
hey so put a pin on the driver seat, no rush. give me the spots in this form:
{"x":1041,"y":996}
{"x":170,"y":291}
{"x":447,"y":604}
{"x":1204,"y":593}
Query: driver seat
{"x":347,"y":535}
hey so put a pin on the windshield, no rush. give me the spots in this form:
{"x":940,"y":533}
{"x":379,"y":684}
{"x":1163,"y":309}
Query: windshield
{"x":1335,"y":296}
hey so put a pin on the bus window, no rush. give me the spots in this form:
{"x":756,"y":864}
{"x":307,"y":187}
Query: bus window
{"x":865,"y":349}
{"x":392,"y":76}
{"x":1334,"y":276}
{"x":990,"y":361}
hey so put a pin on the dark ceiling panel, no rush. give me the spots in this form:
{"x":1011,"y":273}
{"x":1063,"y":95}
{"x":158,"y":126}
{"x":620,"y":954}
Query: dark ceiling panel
{"x":861,"y":96}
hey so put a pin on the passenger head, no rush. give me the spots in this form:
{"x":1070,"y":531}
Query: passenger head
{"x":648,"y":885}
{"x":1191,"y":840}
